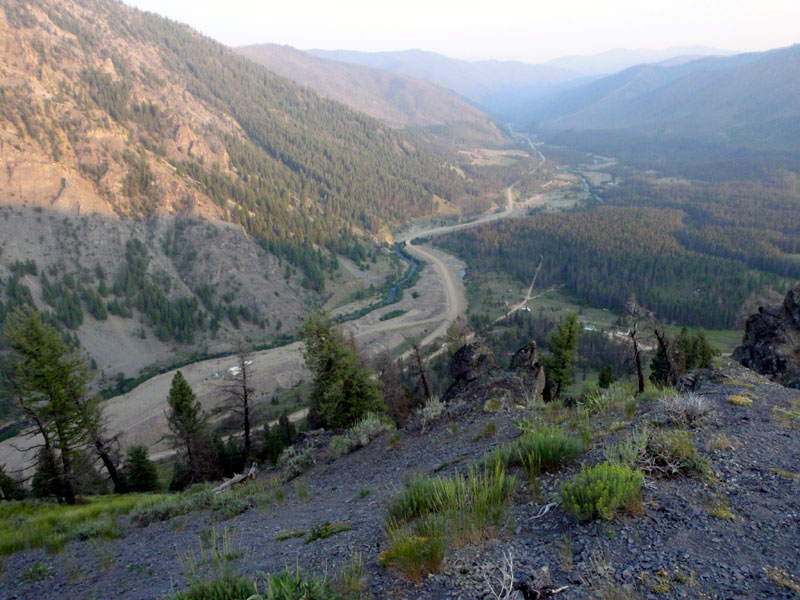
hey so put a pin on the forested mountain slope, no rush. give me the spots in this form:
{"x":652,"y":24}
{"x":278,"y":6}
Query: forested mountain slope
{"x":396,"y":99}
{"x":747,"y":101}
{"x":165,"y":193}
{"x":495,"y":85}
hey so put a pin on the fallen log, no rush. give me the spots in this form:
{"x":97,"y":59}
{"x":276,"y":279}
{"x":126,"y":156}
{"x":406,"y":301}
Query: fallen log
{"x":238,"y":478}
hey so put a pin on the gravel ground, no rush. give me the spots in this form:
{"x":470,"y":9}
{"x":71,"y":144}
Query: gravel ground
{"x":675,"y":549}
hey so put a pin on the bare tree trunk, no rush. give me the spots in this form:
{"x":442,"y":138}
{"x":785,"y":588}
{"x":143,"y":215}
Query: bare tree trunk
{"x":637,"y":357}
{"x":418,"y":357}
{"x":245,"y":402}
{"x":664,"y":344}
{"x":116,"y":479}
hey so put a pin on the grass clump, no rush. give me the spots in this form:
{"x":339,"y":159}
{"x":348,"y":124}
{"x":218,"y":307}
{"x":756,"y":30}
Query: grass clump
{"x":287,"y":585}
{"x":599,"y":400}
{"x":540,"y":449}
{"x":36,"y":572}
{"x":413,"y":555}
{"x":782,"y":578}
{"x":434,"y":512}
{"x":602,"y":490}
{"x":25,"y":525}
{"x":740,"y":400}
{"x":322,"y":531}
{"x":786,"y":474}
{"x":720,"y":507}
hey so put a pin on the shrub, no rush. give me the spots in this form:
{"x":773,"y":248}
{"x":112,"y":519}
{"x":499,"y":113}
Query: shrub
{"x":370,"y":427}
{"x":686,"y":409}
{"x":36,"y":572}
{"x":601,"y":491}
{"x":432,"y":410}
{"x":341,"y":445}
{"x":11,"y":488}
{"x":295,"y":462}
{"x":630,"y":451}
{"x":673,"y":453}
{"x":660,"y":454}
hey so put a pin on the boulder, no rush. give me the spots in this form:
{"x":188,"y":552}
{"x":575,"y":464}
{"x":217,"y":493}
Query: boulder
{"x":771,"y":342}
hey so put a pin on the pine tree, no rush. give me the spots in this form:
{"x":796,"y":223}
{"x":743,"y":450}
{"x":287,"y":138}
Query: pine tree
{"x":344,"y":390}
{"x":606,"y":377}
{"x":188,"y":423}
{"x":563,"y":345}
{"x":140,"y":472}
{"x":49,"y":384}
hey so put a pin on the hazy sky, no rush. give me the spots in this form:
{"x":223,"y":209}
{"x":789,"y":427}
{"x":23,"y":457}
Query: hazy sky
{"x":528,"y":30}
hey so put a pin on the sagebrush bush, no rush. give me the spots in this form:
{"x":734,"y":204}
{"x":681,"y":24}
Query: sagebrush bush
{"x":660,"y":453}
{"x":370,"y":427}
{"x":432,"y":410}
{"x":601,"y":491}
{"x":295,"y":462}
{"x":685,"y":409}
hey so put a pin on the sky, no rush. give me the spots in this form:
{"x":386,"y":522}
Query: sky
{"x":527,"y":30}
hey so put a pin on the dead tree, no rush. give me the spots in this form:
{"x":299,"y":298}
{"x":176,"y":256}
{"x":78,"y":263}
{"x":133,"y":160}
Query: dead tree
{"x":421,"y":370}
{"x":238,"y":392}
{"x":637,"y":317}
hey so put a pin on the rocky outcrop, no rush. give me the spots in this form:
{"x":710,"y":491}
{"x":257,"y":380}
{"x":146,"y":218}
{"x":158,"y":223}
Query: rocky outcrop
{"x":526,"y":363}
{"x":477,"y":378}
{"x":471,"y":361}
{"x":771,"y":342}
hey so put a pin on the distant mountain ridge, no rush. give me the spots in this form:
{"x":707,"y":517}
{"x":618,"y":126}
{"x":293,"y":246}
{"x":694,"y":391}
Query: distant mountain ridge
{"x":493,"y":85}
{"x":747,"y":100}
{"x":396,"y":99}
{"x":618,"y":59}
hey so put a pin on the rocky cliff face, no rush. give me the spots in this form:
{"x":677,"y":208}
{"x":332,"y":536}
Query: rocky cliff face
{"x":771,"y":342}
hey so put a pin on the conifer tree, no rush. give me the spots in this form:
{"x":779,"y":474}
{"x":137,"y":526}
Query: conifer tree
{"x":187,"y":422}
{"x":563,"y":344}
{"x":343,"y":389}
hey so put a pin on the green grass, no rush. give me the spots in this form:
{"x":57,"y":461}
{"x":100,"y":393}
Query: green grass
{"x":288,"y":585}
{"x":539,"y":449}
{"x":433,"y":512}
{"x":28,"y":524}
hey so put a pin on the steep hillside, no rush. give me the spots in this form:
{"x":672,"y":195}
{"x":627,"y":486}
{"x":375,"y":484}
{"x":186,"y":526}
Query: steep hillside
{"x":396,"y":99}
{"x":494,"y":85}
{"x":748,"y":101}
{"x":413,"y":514}
{"x":207,"y":194}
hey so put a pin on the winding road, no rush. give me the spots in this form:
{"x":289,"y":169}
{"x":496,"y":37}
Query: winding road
{"x":138,"y":417}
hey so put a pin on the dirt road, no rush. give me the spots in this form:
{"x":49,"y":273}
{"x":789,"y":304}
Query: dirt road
{"x":138,"y":417}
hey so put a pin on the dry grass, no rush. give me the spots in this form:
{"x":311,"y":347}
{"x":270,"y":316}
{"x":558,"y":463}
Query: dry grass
{"x":782,"y":578}
{"x":740,"y":400}
{"x":721,"y":442}
{"x":787,"y":474}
